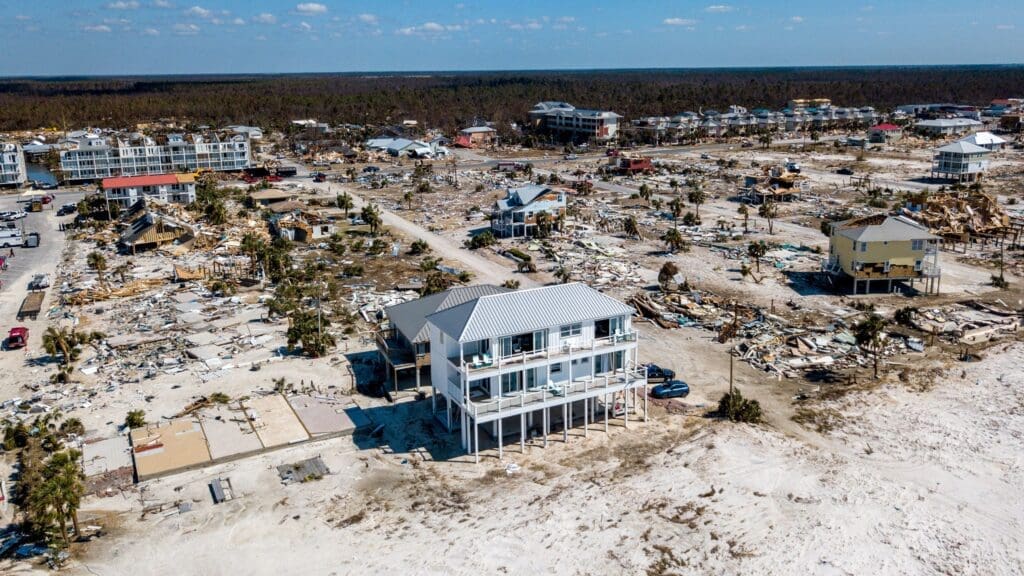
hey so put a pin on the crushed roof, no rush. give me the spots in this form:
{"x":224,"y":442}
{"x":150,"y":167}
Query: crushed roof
{"x":893,"y":229}
{"x":526,"y":310}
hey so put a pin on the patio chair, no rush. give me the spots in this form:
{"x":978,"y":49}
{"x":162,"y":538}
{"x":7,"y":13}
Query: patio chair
{"x":485,"y":360}
{"x":475,"y":362}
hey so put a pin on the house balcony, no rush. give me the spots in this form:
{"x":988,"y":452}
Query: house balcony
{"x":480,"y":364}
{"x":551,"y":394}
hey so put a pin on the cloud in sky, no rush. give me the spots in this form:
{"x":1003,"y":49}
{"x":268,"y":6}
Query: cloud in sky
{"x":368,"y":18}
{"x":150,"y":32}
{"x":123,"y":5}
{"x":679,"y":21}
{"x":162,"y":4}
{"x":797,"y":19}
{"x":719,"y":8}
{"x":101,"y":28}
{"x":186,"y":29}
{"x":199,"y":12}
{"x":265,"y":18}
{"x":430,"y":30}
{"x":311,"y":8}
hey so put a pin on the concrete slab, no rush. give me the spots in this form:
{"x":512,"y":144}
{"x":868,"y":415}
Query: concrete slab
{"x":175,"y":446}
{"x":274,"y":421}
{"x":328,"y":417}
{"x":106,"y":455}
{"x":208,"y":352}
{"x":188,"y":307}
{"x":183,"y":297}
{"x":228,"y":432}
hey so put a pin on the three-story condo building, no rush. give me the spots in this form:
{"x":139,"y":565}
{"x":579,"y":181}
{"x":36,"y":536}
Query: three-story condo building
{"x":96,"y":157}
{"x":519,"y":363}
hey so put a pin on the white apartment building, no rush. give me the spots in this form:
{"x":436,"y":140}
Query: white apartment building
{"x":96,"y":157}
{"x":173,"y":188}
{"x":12,"y":165}
{"x":519,"y":363}
{"x":569,"y":122}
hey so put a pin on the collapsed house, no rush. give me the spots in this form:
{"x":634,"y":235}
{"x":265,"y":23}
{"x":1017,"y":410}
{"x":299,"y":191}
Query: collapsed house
{"x":147,"y":228}
{"x":302,"y":226}
{"x":963,"y":217}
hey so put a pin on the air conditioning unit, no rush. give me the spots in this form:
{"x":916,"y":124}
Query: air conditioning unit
{"x":886,"y":266}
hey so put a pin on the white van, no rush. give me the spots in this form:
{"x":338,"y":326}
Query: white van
{"x":10,"y":237}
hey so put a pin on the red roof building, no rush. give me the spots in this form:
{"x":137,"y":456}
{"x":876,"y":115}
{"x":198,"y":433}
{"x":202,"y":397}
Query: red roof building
{"x":886,"y":128}
{"x":127,"y":190}
{"x":154,"y":180}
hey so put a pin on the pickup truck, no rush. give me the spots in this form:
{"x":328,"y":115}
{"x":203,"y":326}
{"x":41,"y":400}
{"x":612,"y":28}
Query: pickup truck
{"x":17,"y":338}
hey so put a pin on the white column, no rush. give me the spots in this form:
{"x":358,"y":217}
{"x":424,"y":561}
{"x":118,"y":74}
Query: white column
{"x":605,"y":412}
{"x":522,"y":432}
{"x":476,"y":440}
{"x":565,"y":422}
{"x":500,"y":437}
{"x":586,"y":416}
{"x":544,"y":425}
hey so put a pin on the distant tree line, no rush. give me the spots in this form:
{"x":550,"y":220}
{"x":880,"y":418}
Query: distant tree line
{"x":451,"y":100}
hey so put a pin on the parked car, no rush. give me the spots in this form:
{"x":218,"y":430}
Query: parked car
{"x":705,"y":156}
{"x":845,"y":171}
{"x":571,"y":157}
{"x":31,"y":240}
{"x":67,"y":209}
{"x":656,"y":373}
{"x":39,"y":282}
{"x":371,"y":169}
{"x":671,"y":389}
{"x":17,"y":338}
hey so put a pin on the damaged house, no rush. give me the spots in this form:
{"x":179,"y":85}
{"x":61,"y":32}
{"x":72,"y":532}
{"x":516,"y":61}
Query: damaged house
{"x":886,"y":248}
{"x":147,"y":228}
{"x":516,"y":215}
{"x":301,"y":226}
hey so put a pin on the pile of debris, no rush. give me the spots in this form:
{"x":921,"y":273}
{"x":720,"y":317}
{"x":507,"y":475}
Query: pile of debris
{"x":959,"y":217}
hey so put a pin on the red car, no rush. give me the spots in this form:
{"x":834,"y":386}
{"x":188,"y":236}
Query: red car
{"x":17,"y":338}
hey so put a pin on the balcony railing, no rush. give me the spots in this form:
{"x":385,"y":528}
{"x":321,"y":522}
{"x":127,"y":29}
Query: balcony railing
{"x":521,"y":400}
{"x":482,"y":362}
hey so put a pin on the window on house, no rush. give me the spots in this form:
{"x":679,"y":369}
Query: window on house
{"x":556,"y":368}
{"x":917,"y":244}
{"x":570,"y":330}
{"x":863,"y":246}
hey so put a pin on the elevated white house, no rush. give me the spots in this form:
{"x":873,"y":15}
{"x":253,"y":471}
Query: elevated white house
{"x":519,"y":363}
{"x":960,"y":161}
{"x":986,"y":140}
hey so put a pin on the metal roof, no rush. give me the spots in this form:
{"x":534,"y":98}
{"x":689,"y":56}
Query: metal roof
{"x":983,"y":139}
{"x":526,"y":310}
{"x":410,"y":318}
{"x":963,"y":147}
{"x":893,"y":229}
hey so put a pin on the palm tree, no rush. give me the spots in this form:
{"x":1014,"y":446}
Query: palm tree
{"x":344,"y":201}
{"x":697,"y":197}
{"x":632,"y":228}
{"x":765,"y":140}
{"x":122,"y":271}
{"x":868,"y":332}
{"x":216,"y":213}
{"x":745,"y":212}
{"x":409,"y":197}
{"x":59,"y":340}
{"x":371,"y":215}
{"x":645,"y":192}
{"x":757,"y":250}
{"x":58,"y":495}
{"x":768,"y":211}
{"x":252,"y":245}
{"x":673,"y":239}
{"x":676,"y":206}
{"x":97,"y":262}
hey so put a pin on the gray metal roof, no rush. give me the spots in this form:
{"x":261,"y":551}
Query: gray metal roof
{"x":963,"y":147}
{"x":893,"y":229}
{"x":526,"y":310}
{"x":410,"y":318}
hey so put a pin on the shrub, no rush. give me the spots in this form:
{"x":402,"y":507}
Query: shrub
{"x":135,"y":419}
{"x":481,"y":240}
{"x":738,"y":409}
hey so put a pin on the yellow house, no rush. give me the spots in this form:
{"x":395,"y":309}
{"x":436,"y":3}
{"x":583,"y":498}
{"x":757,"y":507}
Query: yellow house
{"x":881,"y":247}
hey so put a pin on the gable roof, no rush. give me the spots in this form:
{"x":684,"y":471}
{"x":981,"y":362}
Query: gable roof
{"x":152,"y":180}
{"x":410,"y":318}
{"x":526,"y":310}
{"x":963,"y":147}
{"x":892,"y":229}
{"x":983,"y":139}
{"x":522,"y":196}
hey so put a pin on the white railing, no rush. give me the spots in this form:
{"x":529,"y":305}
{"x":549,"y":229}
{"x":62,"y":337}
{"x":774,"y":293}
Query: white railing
{"x":484,"y":362}
{"x":569,"y":389}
